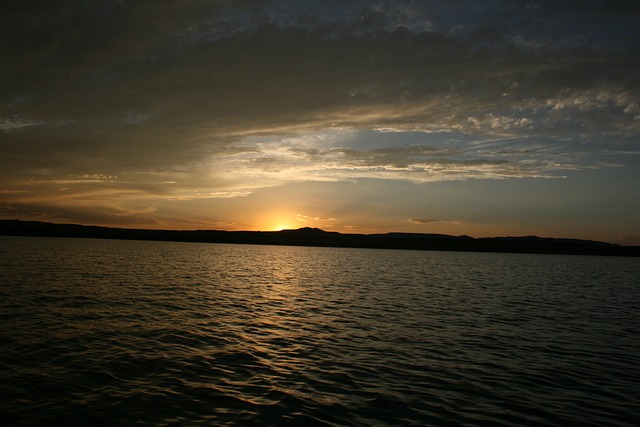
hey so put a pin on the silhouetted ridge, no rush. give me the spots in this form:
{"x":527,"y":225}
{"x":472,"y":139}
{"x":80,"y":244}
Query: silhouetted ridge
{"x":308,"y":236}
{"x":305,"y":230}
{"x":397,"y":235}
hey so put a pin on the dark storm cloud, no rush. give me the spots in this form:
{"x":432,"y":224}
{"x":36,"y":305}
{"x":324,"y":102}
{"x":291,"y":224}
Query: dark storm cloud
{"x":195,"y":62}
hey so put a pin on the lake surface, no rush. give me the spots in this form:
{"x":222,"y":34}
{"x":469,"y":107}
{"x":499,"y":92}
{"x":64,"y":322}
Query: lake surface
{"x":121,"y":333}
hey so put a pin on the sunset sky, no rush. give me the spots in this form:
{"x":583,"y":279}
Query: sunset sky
{"x":483,"y":118}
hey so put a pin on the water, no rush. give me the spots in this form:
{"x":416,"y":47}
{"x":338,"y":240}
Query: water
{"x":100,"y":332}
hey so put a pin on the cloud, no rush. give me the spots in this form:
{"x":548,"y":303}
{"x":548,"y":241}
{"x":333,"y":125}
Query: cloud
{"x":103,"y":215}
{"x":306,"y":218}
{"x":190,"y":100}
{"x":134,"y":118}
{"x":431,"y":221}
{"x":79,"y":179}
{"x":270,"y":161}
{"x":423,"y":221}
{"x":190,"y":195}
{"x":15,"y":124}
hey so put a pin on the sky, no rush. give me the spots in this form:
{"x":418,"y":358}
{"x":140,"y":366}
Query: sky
{"x":487,"y":118}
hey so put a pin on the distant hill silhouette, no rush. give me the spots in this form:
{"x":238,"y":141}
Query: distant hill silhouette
{"x":316,"y":237}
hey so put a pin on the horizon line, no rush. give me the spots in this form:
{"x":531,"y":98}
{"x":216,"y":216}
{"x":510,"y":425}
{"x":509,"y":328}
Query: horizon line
{"x":530,"y":236}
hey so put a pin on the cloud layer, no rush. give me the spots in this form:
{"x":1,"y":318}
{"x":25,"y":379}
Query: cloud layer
{"x":187,"y":100}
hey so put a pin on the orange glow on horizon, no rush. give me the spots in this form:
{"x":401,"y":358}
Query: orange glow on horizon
{"x":282,"y":226}
{"x":276,"y":221}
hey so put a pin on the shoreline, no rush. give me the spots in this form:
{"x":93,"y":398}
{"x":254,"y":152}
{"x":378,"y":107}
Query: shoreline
{"x":320,"y":238}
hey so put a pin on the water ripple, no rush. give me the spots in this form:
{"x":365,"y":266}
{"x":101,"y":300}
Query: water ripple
{"x":151,"y":333}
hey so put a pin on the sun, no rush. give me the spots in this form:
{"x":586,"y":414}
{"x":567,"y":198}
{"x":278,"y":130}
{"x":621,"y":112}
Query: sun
{"x":282,"y":226}
{"x":276,"y":221}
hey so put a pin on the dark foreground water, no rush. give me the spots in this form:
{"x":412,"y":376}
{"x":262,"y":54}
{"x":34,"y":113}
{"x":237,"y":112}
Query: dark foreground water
{"x":99,"y":332}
